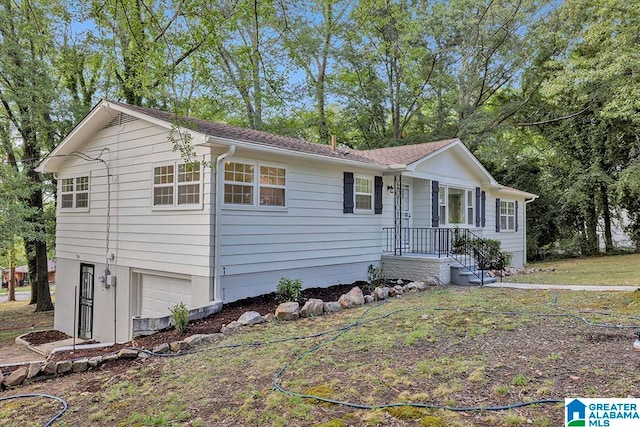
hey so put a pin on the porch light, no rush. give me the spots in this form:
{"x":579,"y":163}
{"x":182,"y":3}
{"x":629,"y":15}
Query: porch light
{"x":390,"y":189}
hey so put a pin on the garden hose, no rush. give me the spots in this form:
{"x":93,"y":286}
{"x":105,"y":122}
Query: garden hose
{"x":48,"y":396}
{"x":339,"y":332}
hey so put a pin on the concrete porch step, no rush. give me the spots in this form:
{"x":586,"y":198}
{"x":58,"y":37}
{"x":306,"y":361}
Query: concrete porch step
{"x":463,"y":276}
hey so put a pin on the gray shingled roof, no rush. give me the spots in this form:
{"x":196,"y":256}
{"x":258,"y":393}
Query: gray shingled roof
{"x":400,"y":155}
{"x":405,"y":154}
{"x":221,"y":130}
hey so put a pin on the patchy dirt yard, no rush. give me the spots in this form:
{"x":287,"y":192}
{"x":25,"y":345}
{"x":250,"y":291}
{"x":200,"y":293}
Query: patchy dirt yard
{"x":454,"y":347}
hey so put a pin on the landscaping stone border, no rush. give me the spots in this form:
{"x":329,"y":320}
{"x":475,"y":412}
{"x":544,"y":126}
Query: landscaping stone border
{"x":285,"y":312}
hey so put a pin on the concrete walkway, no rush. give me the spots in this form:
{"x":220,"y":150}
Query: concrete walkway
{"x":597,"y":288}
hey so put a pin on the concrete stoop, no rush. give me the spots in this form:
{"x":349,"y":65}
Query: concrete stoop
{"x":463,"y":276}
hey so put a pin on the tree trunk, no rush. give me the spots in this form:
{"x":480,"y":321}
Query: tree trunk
{"x":12,"y":282}
{"x":44,"y":294}
{"x":29,"y":245}
{"x":37,"y":248}
{"x":591,"y":217}
{"x":606,"y":218}
{"x":11,"y":286}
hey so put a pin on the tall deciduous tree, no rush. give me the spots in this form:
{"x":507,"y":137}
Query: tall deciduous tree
{"x":595,"y":134}
{"x":311,"y":38}
{"x":245,"y":65}
{"x":147,"y":46}
{"x":27,"y":97}
{"x":14,"y":217}
{"x":388,"y":65}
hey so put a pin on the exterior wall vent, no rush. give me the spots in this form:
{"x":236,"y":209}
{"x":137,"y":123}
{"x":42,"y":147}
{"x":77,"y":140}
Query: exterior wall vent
{"x":120,"y":119}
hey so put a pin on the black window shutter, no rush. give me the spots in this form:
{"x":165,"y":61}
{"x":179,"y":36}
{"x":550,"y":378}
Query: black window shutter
{"x":435,"y":204}
{"x":377,"y":195}
{"x":483,"y":219}
{"x":477,"y":210}
{"x":347,"y":205}
{"x":497,"y":215}
{"x":516,"y":219}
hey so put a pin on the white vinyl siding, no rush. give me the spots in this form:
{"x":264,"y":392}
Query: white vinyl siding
{"x":312,"y":240}
{"x":74,"y":193}
{"x":254,"y":185}
{"x":171,"y":238}
{"x":510,"y":240}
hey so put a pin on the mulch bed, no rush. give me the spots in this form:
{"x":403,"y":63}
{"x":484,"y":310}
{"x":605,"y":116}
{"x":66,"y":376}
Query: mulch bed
{"x":263,"y":304}
{"x":43,"y":337}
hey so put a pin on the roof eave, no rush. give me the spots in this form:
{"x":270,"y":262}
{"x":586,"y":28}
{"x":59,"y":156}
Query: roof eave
{"x":517,"y":192}
{"x":212,"y":141}
{"x":102,"y":112}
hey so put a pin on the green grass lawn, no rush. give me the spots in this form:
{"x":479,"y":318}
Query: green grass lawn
{"x":603,"y":270}
{"x":451,"y":346}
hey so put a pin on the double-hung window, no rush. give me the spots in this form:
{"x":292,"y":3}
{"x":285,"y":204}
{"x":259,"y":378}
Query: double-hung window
{"x":456,"y":206}
{"x":507,"y":215}
{"x":177,"y":185}
{"x":74,"y":193}
{"x":254,"y":185}
{"x":363,"y":193}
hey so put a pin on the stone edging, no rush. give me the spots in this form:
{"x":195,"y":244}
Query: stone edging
{"x":286,"y":311}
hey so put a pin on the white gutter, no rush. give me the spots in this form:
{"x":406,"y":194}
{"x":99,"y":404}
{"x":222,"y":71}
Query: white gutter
{"x":253,"y":146}
{"x":217,"y":289}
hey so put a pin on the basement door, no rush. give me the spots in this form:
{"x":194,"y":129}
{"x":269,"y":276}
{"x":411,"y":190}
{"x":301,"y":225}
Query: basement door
{"x":85,"y":315}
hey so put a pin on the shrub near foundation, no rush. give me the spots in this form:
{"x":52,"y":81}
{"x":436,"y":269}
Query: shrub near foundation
{"x":288,"y":290}
{"x":179,"y":316}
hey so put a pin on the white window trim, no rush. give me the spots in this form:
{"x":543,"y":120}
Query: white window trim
{"x":507,"y":229}
{"x":75,"y":193}
{"x":175,"y":206}
{"x":465,"y":208}
{"x":371,"y":195}
{"x":255,"y":205}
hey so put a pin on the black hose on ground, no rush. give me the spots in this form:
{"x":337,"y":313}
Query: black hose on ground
{"x":47,"y":396}
{"x":338,"y":333}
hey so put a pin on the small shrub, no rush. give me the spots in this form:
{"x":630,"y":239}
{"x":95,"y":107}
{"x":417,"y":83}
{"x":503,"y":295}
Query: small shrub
{"x":179,"y":316}
{"x":487,"y":252}
{"x":288,"y":290}
{"x":375,"y":275}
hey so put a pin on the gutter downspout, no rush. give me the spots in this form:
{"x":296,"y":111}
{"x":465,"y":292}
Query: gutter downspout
{"x":524,"y":249}
{"x":217,"y":291}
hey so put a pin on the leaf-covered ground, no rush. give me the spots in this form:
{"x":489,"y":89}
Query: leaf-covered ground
{"x":447,"y":346}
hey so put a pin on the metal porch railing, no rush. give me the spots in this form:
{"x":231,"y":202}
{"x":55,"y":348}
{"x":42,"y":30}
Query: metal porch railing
{"x":465,"y":247}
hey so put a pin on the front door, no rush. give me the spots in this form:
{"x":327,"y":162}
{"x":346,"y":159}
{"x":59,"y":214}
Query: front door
{"x":85,"y":318}
{"x":405,"y":217}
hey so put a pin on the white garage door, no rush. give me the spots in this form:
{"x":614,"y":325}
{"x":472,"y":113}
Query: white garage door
{"x":158,"y":293}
